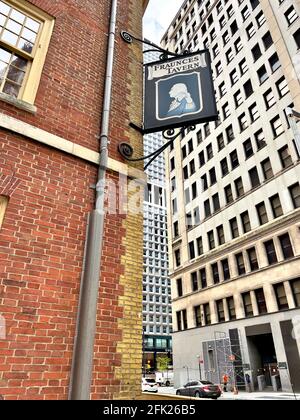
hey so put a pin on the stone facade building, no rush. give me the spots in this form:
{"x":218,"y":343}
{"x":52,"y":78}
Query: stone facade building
{"x":234,"y":199}
{"x":53,"y":65}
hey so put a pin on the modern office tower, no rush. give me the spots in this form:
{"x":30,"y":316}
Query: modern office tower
{"x":234,"y":222}
{"x":157,"y":317}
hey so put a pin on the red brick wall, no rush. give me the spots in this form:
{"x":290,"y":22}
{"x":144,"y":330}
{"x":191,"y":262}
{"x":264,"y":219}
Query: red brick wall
{"x":41,"y":250}
{"x":43,"y":234}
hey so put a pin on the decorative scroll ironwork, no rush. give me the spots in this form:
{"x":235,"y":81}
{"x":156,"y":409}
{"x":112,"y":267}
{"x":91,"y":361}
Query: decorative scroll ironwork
{"x":170,"y":135}
{"x":128,"y":38}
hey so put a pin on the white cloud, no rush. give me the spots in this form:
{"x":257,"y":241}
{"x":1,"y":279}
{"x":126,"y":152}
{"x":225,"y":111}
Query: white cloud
{"x":158,"y":16}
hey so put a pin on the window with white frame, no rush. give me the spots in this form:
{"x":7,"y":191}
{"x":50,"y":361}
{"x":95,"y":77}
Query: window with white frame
{"x":25,"y":33}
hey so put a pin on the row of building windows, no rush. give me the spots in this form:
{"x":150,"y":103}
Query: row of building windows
{"x":196,"y":248}
{"x":211,"y":179}
{"x":226,"y":308}
{"x":199,"y":279}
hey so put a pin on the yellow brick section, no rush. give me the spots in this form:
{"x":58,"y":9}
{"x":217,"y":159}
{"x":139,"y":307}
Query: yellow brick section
{"x":130,"y":371}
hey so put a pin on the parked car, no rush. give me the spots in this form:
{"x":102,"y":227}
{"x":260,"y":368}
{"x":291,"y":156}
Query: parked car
{"x":149,"y":385}
{"x":200,"y":389}
{"x":165,"y":378}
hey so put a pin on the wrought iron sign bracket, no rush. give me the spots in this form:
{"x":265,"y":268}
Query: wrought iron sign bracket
{"x":126,"y":150}
{"x":127,"y":37}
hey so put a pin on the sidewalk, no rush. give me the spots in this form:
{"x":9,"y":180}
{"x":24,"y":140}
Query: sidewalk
{"x":242,"y":395}
{"x":259,"y":396}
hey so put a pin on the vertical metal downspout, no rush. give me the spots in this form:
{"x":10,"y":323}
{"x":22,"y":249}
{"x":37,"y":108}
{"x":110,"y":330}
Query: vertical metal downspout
{"x":82,"y":364}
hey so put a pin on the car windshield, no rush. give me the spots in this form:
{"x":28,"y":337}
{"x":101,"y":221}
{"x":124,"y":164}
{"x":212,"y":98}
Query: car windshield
{"x":150,"y":381}
{"x":206,"y":383}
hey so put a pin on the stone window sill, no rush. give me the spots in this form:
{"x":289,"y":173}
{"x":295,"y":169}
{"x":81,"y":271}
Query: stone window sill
{"x":18,"y":103}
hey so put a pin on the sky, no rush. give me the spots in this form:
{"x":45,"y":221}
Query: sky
{"x":158,"y":16}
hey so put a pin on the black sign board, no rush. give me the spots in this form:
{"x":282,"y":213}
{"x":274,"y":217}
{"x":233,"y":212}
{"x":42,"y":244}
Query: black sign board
{"x":179,"y":92}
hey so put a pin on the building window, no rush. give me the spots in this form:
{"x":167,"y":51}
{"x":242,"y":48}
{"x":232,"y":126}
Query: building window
{"x":271,"y":252}
{"x":201,"y":159}
{"x":231,"y":308}
{"x":254,"y":178}
{"x":200,"y":246}
{"x":239,"y":187}
{"x":176,"y":230}
{"x":184,"y":319}
{"x":291,"y":15}
{"x":224,"y":167}
{"x":269,"y":98}
{"x":246,"y":222}
{"x":228,"y":194}
{"x":262,"y":213}
{"x":213,"y":176}
{"x":194,"y":278}
{"x":252,"y":257}
{"x":261,"y":301}
{"x":296,"y":36}
{"x":25,"y":35}
{"x":262,"y":74}
{"x":247,"y":304}
{"x":267,"y":40}
{"x":221,"y":235}
{"x":207,"y":317}
{"x":281,"y":298}
{"x":226,"y":270}
{"x":243,"y":122}
{"x":177,"y":258}
{"x":260,"y":139}
{"x":179,"y":287}
{"x":179,"y":324}
{"x":234,"y":228}
{"x":248,"y":88}
{"x":286,"y":246}
{"x":215,"y":273}
{"x":277,"y":126}
{"x":295,"y":195}
{"x":203,"y":278}
{"x":197,"y":312}
{"x":282,"y":87}
{"x":234,"y":159}
{"x":230,"y":134}
{"x":248,"y":149}
{"x":3,"y":206}
{"x":274,"y":62}
{"x":254,"y":114}
{"x":220,"y":309}
{"x":216,"y":202}
{"x":211,"y":240}
{"x":221,"y":143}
{"x":240,"y":264}
{"x":192,"y":250}
{"x":267,"y":169}
{"x":295,"y":285}
{"x":276,"y":206}
{"x":285,"y":157}
{"x":207,"y":209}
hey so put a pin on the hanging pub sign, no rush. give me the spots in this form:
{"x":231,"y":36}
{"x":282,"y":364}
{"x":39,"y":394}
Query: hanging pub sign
{"x":179,"y":92}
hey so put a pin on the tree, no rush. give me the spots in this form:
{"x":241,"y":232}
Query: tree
{"x":162,"y":363}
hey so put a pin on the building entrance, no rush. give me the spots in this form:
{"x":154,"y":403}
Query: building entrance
{"x":262,"y":354}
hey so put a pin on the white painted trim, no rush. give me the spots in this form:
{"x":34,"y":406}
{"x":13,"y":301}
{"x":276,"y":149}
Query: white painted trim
{"x":67,"y":146}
